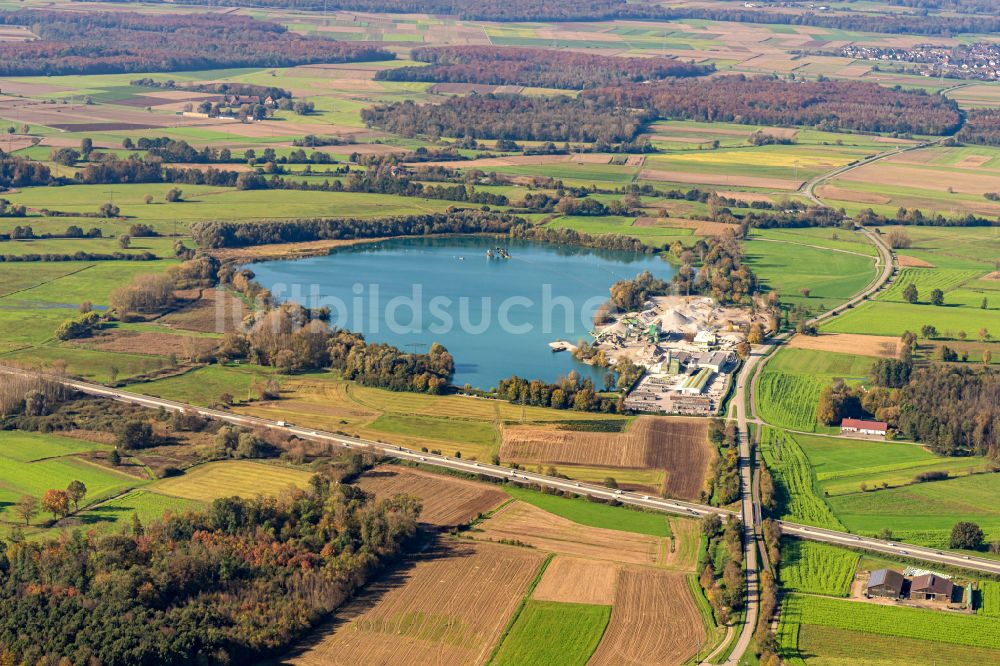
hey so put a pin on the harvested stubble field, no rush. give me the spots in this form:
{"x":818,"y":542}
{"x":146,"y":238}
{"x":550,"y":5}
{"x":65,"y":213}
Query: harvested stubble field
{"x":528,"y":524}
{"x":446,"y":501}
{"x":148,"y":342}
{"x":655,"y":621}
{"x":233,"y":477}
{"x":677,"y":445}
{"x":578,"y":580}
{"x":848,"y":343}
{"x":448,"y":607}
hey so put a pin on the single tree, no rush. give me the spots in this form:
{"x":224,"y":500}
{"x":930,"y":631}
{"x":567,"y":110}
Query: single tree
{"x":966,"y":535}
{"x":805,"y":291}
{"x":609,"y":482}
{"x":56,"y":502}
{"x":124,"y":241}
{"x":985,"y":304}
{"x":937,"y":297}
{"x":910,"y":293}
{"x":173,"y":195}
{"x":76,"y":491}
{"x":928,"y":331}
{"x":114,"y":457}
{"x":26,"y":507}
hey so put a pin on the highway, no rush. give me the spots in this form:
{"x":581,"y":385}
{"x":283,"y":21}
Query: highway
{"x":677,"y":507}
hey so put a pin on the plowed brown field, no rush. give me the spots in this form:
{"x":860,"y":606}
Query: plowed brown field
{"x":446,"y":501}
{"x":677,"y":445}
{"x":448,"y":608}
{"x":849,"y":343}
{"x":654,"y":622}
{"x":576,"y":580}
{"x":545,"y":531}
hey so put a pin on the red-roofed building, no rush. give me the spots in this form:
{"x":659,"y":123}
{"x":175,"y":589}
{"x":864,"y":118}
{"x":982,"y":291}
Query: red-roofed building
{"x":864,"y":427}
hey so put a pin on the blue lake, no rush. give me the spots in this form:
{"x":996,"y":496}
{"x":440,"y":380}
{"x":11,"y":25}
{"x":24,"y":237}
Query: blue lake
{"x":496,"y":316}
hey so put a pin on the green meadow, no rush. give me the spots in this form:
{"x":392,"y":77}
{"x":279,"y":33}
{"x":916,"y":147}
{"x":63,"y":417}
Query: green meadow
{"x":551,"y":632}
{"x":924,"y":513}
{"x":787,"y":268}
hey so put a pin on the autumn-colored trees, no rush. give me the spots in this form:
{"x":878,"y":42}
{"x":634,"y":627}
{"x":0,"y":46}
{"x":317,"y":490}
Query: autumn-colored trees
{"x":106,"y":42}
{"x":514,"y":117}
{"x":215,"y":586}
{"x":536,"y":67}
{"x":826,"y":105}
{"x":56,"y":502}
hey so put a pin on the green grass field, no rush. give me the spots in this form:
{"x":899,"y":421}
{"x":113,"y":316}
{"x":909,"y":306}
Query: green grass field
{"x":816,"y":568}
{"x":551,"y":632}
{"x":24,"y":474}
{"x":842,"y":465}
{"x":925,"y":513}
{"x":831,"y":277}
{"x":148,"y":506}
{"x":593,"y":514}
{"x":26,"y":447}
{"x":886,"y":318}
{"x":203,"y":386}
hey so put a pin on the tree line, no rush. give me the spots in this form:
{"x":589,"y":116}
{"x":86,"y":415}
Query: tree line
{"x":231,"y":584}
{"x":542,"y":68}
{"x":220,"y":233}
{"x":113,"y":42}
{"x":915,"y":23}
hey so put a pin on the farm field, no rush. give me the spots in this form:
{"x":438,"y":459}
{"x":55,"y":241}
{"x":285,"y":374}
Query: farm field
{"x":816,"y":568}
{"x":896,"y":621}
{"x":147,"y":506}
{"x":676,"y":445}
{"x":550,"y":632}
{"x":885,"y":318}
{"x":446,"y":501}
{"x":924,"y":513}
{"x":446,"y":607}
{"x":841,"y":465}
{"x":232,"y":478}
{"x":595,"y":515}
{"x":789,"y":386}
{"x":654,"y":620}
{"x":831,"y":277}
{"x":322,"y":400}
{"x":990,"y":598}
{"x":22,"y":474}
{"x":796,"y":491}
{"x":525,"y":523}
{"x":578,"y":580}
{"x":830,"y":646}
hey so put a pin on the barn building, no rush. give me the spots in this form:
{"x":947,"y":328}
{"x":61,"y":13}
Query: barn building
{"x":885,"y":583}
{"x":931,"y":587}
{"x":864,"y":427}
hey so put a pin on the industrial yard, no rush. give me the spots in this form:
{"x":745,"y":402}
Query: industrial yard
{"x":688,"y":347}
